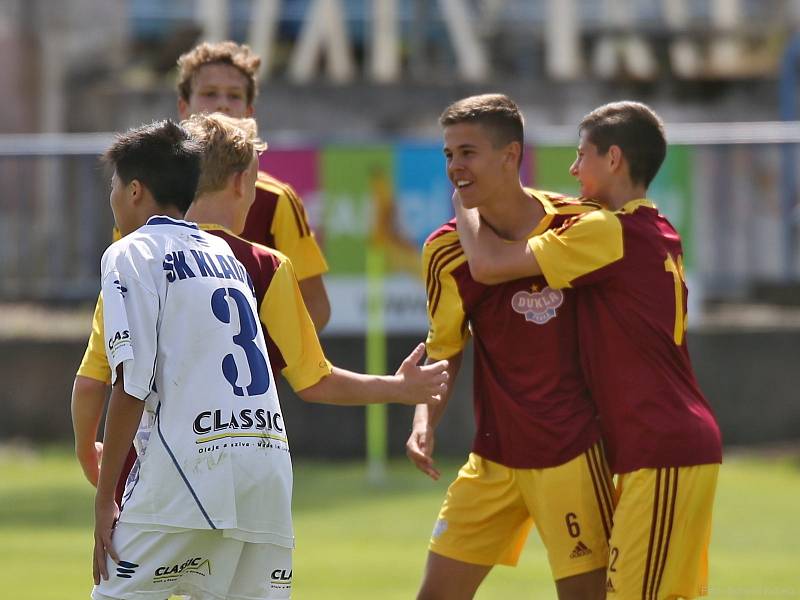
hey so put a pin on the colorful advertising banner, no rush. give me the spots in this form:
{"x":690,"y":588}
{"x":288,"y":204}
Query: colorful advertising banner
{"x":374,"y":206}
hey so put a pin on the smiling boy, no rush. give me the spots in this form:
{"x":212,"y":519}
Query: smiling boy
{"x":626,"y":264}
{"x":536,"y":455}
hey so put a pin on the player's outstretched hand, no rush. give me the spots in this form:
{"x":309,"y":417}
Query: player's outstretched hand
{"x":106,"y":513}
{"x":422,"y":383}
{"x":419,"y":449}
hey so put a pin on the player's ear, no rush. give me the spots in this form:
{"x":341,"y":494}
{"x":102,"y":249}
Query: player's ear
{"x":614,"y":156}
{"x":238,"y":183}
{"x":135,"y":191}
{"x":183,"y":108}
{"x":513,"y":151}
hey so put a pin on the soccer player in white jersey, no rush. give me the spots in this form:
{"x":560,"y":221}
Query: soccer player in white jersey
{"x":213,"y":495}
{"x":210,"y":512}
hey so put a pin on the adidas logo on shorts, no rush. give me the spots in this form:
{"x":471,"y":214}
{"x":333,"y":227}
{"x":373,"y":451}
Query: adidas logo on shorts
{"x":581,"y":549}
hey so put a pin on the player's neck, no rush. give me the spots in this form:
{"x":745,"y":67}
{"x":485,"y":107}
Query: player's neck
{"x":513,"y":214}
{"x":622,"y":192}
{"x":213,"y":209}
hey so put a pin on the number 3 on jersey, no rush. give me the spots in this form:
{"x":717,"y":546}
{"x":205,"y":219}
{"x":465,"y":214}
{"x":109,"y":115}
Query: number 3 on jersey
{"x":676,"y":268}
{"x":245,"y":339}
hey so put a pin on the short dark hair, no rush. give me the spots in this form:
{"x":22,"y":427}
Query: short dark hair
{"x":163,"y":157}
{"x":496,"y":112}
{"x":636,"y":129}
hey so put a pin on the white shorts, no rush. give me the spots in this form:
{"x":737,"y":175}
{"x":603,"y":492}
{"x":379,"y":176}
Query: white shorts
{"x":204,"y":564}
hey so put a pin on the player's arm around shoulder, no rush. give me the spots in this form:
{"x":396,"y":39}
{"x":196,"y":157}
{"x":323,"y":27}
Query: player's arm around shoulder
{"x":583,"y":244}
{"x":491,"y":259}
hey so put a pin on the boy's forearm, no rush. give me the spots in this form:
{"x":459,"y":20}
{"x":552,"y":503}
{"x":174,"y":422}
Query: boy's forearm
{"x":122,"y":421}
{"x":316,"y":300}
{"x":347,"y":388}
{"x":491,"y":259}
{"x":88,"y":398}
{"x":434,"y":413}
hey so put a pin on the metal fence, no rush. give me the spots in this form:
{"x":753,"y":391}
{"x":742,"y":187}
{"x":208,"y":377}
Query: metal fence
{"x":728,"y":198}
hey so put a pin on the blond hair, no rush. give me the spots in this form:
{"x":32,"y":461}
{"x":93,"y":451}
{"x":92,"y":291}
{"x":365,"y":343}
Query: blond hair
{"x":228,"y":147}
{"x":227,"y":53}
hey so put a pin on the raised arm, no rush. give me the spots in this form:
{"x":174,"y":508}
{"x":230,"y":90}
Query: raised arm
{"x":491,"y":259}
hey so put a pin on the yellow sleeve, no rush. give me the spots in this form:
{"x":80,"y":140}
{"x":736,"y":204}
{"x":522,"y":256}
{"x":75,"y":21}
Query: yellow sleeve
{"x":447,"y":322}
{"x":294,"y":238}
{"x":286,"y":318}
{"x":585,"y":245}
{"x":95,"y":362}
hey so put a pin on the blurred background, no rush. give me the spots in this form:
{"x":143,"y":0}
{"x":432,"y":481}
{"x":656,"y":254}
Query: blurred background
{"x":350,"y":93}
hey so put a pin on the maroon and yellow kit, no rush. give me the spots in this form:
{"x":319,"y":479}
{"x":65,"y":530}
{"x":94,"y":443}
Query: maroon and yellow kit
{"x":532,"y":407}
{"x":627,"y":269}
{"x":292,"y":341}
{"x":278,"y":219}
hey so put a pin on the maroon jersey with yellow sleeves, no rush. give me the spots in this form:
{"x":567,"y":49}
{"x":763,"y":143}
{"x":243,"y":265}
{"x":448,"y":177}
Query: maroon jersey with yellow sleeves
{"x":532,"y":407}
{"x":292,"y":341}
{"x":278,"y":219}
{"x":627,"y":268}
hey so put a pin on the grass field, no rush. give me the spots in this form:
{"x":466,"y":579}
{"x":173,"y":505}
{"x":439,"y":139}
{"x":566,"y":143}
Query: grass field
{"x":358,"y":541}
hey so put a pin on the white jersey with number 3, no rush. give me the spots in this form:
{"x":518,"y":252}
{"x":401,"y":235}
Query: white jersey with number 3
{"x":181,"y":318}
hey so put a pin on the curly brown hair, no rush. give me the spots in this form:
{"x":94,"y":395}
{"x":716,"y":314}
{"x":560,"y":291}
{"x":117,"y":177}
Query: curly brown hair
{"x":228,"y":53}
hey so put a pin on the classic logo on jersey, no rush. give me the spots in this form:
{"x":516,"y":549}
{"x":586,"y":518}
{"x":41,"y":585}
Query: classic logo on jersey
{"x":120,"y":338}
{"x":121,"y":288}
{"x":126,"y":569}
{"x":197,"y":565}
{"x":537,"y":306}
{"x":242,"y":428}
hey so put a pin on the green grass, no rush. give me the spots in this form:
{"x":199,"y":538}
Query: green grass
{"x":356,"y":540}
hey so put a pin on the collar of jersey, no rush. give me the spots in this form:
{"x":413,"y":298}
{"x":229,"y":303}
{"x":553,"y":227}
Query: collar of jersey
{"x":215,"y":227}
{"x":549,"y":211}
{"x":630,"y":207}
{"x":162,"y":220}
